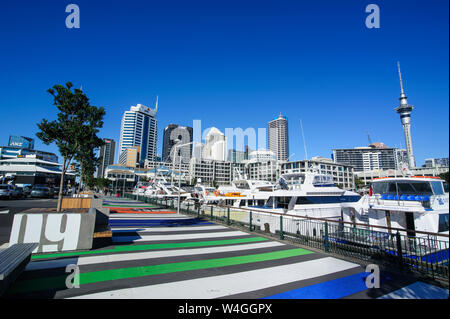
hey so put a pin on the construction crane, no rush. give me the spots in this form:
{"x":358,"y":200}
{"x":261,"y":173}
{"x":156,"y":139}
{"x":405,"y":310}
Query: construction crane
{"x":368,"y":137}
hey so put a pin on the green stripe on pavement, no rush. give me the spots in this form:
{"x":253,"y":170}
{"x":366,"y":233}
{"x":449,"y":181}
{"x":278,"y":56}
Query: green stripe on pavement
{"x":134,"y":272}
{"x":152,"y":246}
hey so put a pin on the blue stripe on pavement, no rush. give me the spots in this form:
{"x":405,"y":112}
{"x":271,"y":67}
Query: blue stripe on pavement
{"x":333,"y":289}
{"x":418,"y":290}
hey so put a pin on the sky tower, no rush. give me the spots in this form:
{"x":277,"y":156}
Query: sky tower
{"x":405,"y":116}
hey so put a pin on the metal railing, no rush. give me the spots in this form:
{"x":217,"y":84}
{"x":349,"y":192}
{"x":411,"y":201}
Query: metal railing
{"x":426,"y":253}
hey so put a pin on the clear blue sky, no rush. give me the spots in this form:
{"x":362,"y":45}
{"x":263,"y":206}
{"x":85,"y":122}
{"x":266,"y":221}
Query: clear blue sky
{"x":236,"y":64}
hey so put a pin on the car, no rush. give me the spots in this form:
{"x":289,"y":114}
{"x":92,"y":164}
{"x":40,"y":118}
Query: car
{"x":8,"y":191}
{"x":20,"y":192}
{"x":41,"y":192}
{"x":27,"y":190}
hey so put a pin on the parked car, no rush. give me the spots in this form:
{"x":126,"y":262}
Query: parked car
{"x":8,"y":191}
{"x":41,"y":192}
{"x":20,"y":192}
{"x":27,"y":190}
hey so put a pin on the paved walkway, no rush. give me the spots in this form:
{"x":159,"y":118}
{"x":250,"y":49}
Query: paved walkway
{"x":174,"y":256}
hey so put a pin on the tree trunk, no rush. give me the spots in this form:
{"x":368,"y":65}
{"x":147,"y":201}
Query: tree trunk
{"x":81,"y":178}
{"x":61,"y":183}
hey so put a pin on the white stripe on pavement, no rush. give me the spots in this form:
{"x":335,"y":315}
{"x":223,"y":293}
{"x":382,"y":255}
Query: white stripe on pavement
{"x":126,"y":239}
{"x":163,"y":229}
{"x":89,"y":260}
{"x":225,"y":285}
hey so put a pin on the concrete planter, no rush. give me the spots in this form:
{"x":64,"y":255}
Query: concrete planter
{"x":64,"y":231}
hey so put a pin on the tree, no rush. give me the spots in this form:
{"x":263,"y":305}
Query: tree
{"x":359,"y":183}
{"x":76,"y":124}
{"x":445,"y":176}
{"x":88,"y":161}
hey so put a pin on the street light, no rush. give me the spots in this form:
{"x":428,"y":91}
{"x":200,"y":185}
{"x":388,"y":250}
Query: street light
{"x":177,"y":141}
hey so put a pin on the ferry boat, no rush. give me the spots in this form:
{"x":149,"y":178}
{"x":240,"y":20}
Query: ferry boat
{"x":413,"y":204}
{"x":413,"y":210}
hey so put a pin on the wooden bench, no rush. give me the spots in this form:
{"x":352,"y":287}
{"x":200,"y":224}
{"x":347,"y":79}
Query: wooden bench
{"x":13,"y":261}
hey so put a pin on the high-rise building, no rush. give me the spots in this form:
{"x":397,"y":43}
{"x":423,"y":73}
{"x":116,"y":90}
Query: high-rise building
{"x":106,"y":156}
{"x":375,"y":156}
{"x":215,"y":145}
{"x":278,"y":137}
{"x":236,"y":156}
{"x":183,"y":134}
{"x":405,"y":116}
{"x":139,"y":128}
{"x":436,"y":162}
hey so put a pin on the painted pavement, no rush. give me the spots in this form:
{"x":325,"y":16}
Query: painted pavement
{"x":172,"y":256}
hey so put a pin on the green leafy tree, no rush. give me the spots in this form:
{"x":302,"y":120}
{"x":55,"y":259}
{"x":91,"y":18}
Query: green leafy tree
{"x":76,"y":124}
{"x":358,"y":183}
{"x":445,"y":176}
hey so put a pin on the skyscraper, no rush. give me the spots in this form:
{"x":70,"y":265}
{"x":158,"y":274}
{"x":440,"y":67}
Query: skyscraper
{"x":215,"y":145}
{"x":139,"y":128}
{"x":405,"y":116}
{"x":106,"y":156}
{"x":278,"y":137}
{"x":172,"y":133}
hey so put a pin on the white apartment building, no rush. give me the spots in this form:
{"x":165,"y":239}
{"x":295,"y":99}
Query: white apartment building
{"x":343,"y":175}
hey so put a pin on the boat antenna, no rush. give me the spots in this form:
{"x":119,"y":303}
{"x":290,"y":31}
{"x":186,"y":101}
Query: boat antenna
{"x":304,"y":143}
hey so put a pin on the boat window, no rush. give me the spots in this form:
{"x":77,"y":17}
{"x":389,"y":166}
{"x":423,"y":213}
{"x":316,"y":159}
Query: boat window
{"x":379,"y":187}
{"x":437,"y":188}
{"x":323,"y":180}
{"x":392,"y":188}
{"x":283,"y":202}
{"x":443,"y":223}
{"x":422,"y":188}
{"x":302,"y":201}
{"x":242,"y":185}
{"x":405,"y":188}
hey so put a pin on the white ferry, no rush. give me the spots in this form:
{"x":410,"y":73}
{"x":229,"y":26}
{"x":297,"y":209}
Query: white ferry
{"x":415,"y":204}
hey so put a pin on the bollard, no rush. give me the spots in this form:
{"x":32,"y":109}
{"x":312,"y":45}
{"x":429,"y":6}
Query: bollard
{"x":198,"y":211}
{"x":399,"y":249}
{"x":211,"y":213}
{"x":228,"y":216}
{"x":281,"y":227}
{"x":251,"y":220}
{"x":187,"y":208}
{"x":327,"y":246}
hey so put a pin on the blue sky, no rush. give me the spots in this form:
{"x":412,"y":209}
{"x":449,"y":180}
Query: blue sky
{"x":236,"y":64}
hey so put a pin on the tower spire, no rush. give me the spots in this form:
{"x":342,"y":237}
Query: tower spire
{"x":401,"y":81}
{"x":404,"y":109}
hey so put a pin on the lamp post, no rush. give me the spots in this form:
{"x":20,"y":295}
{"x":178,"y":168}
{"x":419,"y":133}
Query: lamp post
{"x":179,"y":173}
